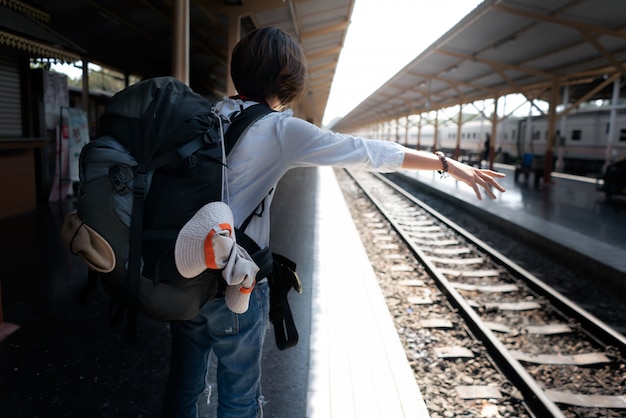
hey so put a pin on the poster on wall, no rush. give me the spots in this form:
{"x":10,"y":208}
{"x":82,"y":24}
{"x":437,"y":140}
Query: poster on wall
{"x":71,"y":138}
{"x":55,"y":96}
{"x":78,"y":138}
{"x":61,"y":183}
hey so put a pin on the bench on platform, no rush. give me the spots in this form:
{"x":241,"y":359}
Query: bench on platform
{"x":535,"y":167}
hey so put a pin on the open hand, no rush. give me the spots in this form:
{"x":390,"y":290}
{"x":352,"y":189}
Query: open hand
{"x":475,"y":177}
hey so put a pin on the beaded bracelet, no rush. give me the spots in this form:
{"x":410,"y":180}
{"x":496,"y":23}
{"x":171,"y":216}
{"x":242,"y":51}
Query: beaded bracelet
{"x":443,"y":173}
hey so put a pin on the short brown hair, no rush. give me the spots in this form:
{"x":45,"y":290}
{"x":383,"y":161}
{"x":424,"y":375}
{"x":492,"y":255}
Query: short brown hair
{"x":268,"y":62}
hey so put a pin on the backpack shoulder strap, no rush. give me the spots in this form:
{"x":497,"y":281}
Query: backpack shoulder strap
{"x":280,"y":271}
{"x":242,"y":121}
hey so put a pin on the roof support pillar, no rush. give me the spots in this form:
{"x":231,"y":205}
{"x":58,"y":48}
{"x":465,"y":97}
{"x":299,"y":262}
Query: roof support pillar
{"x":494,"y":132}
{"x":459,"y":124}
{"x":436,"y":134}
{"x":547,"y":167}
{"x":527,"y":145}
{"x":84,"y":99}
{"x":397,"y":137}
{"x":612,"y":125}
{"x":406,"y":131}
{"x":418,"y":145}
{"x":560,"y":163}
{"x":180,"y":36}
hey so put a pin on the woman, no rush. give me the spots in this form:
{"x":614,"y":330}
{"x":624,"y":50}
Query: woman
{"x":268,"y":67}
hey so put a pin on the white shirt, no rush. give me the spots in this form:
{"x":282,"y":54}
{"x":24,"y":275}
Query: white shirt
{"x":279,"y":142}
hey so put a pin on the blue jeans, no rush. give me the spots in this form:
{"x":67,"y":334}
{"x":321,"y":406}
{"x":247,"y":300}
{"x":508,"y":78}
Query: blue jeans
{"x":237,"y":340}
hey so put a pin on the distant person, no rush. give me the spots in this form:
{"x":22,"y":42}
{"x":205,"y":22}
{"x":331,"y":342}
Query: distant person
{"x":499,"y":158}
{"x":268,"y":67}
{"x":487,"y":146}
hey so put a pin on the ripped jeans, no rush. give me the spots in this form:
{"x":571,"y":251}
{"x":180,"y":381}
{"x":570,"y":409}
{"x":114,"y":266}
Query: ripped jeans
{"x":237,"y":340}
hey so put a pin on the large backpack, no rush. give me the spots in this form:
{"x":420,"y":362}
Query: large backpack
{"x":161,"y":159}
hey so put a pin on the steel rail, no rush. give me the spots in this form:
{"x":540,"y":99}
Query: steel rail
{"x":594,"y":327}
{"x":534,"y":396}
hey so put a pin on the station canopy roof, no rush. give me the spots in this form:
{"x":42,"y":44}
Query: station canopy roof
{"x":25,"y":29}
{"x":135,"y":37}
{"x":504,"y":47}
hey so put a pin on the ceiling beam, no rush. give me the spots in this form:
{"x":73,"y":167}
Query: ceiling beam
{"x":559,"y":21}
{"x":495,"y":64}
{"x":603,"y":51}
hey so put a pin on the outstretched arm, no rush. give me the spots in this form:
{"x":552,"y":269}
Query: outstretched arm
{"x":473,"y":177}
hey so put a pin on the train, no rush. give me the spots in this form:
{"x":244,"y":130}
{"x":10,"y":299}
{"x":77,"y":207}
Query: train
{"x":581,"y":148}
{"x":580,"y":139}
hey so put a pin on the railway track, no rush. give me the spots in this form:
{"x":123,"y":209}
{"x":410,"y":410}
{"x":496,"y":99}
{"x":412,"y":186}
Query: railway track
{"x":478,"y":311}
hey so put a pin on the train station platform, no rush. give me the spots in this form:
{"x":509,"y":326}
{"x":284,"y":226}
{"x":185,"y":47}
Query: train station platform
{"x":567,"y":217}
{"x":65,"y":360}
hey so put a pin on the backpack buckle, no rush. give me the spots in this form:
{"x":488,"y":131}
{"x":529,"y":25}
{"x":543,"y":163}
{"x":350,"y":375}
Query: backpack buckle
{"x":119,"y":177}
{"x":140,"y":186}
{"x":190,"y":161}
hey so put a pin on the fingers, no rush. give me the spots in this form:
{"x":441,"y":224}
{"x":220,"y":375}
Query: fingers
{"x":497,"y":186}
{"x":480,"y":178}
{"x":488,"y":181}
{"x":484,"y":179}
{"x":485,"y":185}
{"x":477,"y":191}
{"x":493,"y":173}
{"x":487,"y":188}
{"x":491,"y":182}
